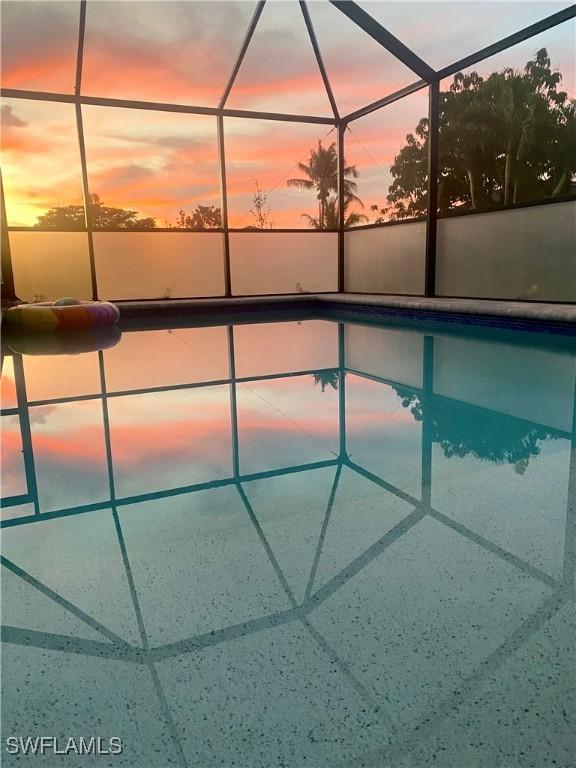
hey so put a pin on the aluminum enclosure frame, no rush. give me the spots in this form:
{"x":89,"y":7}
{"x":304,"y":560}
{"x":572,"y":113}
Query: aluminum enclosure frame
{"x":427,"y":78}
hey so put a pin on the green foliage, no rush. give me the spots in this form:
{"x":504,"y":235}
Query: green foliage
{"x":462,"y":429}
{"x":71,"y":217}
{"x":327,"y":379}
{"x":203,"y":217}
{"x":506,"y":138}
{"x":331,"y":216}
{"x":321,"y":175}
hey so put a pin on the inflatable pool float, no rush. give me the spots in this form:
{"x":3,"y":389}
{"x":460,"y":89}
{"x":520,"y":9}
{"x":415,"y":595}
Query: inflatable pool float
{"x":23,"y":342}
{"x":62,"y":315}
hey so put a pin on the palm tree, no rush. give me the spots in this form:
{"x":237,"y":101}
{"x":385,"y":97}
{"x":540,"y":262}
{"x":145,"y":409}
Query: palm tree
{"x":327,"y":379}
{"x":321,"y":174}
{"x":331,"y":216}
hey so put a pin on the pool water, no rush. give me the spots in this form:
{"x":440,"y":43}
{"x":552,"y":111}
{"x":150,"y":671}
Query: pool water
{"x":288,"y":544}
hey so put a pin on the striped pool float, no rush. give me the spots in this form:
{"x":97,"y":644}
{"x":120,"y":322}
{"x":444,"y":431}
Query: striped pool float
{"x":49,"y":317}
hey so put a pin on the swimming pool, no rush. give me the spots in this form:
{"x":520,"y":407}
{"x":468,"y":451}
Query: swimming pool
{"x":294,"y":543}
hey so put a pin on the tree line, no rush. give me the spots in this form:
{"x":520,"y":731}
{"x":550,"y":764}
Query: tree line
{"x":506,"y":138}
{"x":71,"y":217}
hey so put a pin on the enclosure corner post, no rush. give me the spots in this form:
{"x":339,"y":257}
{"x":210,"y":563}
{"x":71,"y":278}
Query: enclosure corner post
{"x":6,"y":270}
{"x":341,"y":125}
{"x":432,"y":216}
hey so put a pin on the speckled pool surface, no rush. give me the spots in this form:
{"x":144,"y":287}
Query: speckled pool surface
{"x":289,"y":544}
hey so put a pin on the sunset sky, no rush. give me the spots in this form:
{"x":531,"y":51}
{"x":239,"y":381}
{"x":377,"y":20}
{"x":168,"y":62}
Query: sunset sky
{"x":183,"y":52}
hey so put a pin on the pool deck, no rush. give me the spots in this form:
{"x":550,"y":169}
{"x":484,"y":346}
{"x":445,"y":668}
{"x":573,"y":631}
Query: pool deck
{"x":533,"y":313}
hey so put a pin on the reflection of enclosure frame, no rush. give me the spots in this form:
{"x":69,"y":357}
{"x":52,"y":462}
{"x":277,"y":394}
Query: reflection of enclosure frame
{"x":114,"y":647}
{"x":429,"y":78}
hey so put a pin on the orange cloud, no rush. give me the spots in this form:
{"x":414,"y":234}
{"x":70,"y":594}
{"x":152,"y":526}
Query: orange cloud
{"x":11,"y":443}
{"x":8,"y":391}
{"x":132,"y":73}
{"x":39,"y":45}
{"x":55,"y":67}
{"x":296,"y":93}
{"x":18,"y":136}
{"x":41,"y":165}
{"x":181,"y":55}
{"x":13,"y":476}
{"x":139,"y":444}
{"x":80,"y":447}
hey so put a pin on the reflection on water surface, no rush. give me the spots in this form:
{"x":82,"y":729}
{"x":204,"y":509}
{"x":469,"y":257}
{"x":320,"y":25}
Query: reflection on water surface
{"x":293,"y":543}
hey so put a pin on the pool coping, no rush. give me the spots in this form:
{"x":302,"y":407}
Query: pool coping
{"x":533,"y":314}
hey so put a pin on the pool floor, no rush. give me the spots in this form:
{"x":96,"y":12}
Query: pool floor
{"x":300,"y":543}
